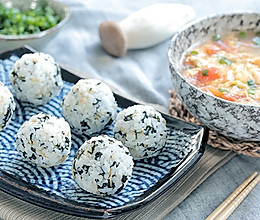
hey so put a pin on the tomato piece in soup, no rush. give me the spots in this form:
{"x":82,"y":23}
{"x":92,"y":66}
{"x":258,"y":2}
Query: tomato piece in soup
{"x":227,"y":96}
{"x":212,"y":49}
{"x":204,"y":77}
{"x":219,"y":94}
{"x":218,"y":46}
{"x":188,"y":62}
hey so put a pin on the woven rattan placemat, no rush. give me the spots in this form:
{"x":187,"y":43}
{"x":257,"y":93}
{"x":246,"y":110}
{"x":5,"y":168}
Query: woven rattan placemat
{"x":215,"y":140}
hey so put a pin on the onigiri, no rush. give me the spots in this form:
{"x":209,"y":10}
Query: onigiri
{"x":7,"y":106}
{"x":44,"y":139}
{"x":102,"y":166}
{"x":89,"y":106}
{"x":36,"y":78}
{"x":142,"y":129}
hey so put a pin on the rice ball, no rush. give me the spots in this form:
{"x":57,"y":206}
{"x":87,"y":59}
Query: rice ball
{"x":142,"y":129}
{"x":44,"y":140}
{"x":7,"y":106}
{"x":36,"y":78}
{"x":89,"y":106}
{"x":102,"y":166}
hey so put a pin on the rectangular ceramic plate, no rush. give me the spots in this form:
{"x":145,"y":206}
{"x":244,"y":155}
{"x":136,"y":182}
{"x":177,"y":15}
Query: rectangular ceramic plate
{"x":54,"y":188}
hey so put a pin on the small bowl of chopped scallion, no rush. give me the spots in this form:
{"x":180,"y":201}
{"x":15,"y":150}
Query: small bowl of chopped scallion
{"x":30,"y":22}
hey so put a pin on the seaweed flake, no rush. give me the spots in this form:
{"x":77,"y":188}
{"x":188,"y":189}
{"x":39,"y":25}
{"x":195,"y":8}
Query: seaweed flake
{"x":85,"y":168}
{"x":8,"y":114}
{"x":84,"y":124}
{"x":124,"y":179}
{"x":31,"y":136}
{"x":80,"y":171}
{"x":33,"y":157}
{"x":145,"y":116}
{"x":59,"y":147}
{"x":98,"y":155}
{"x":150,"y":129}
{"x":128,"y":117}
{"x":36,"y":128}
{"x":14,"y":74}
{"x":113,"y":164}
{"x":24,"y":154}
{"x":67,"y":143}
{"x":97,"y":102}
{"x":43,"y":118}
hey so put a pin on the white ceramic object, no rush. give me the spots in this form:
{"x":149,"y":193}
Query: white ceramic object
{"x":38,"y":40}
{"x":239,"y":121}
{"x":144,"y":28}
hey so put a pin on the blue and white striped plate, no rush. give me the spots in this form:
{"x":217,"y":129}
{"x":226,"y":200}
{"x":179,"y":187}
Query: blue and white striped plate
{"x":56,"y":187}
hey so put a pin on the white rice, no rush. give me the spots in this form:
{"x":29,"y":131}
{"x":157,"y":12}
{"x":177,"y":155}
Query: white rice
{"x":44,"y":140}
{"x":102,"y":166}
{"x":7,"y":106}
{"x":36,"y":78}
{"x":89,"y":106}
{"x":142,"y":129}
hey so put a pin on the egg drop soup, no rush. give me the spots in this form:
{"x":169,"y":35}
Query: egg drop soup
{"x":227,"y":67}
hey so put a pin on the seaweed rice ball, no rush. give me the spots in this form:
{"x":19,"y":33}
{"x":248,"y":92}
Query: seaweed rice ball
{"x":142,"y":129}
{"x":102,"y":166}
{"x":44,"y":140}
{"x":36,"y":78}
{"x":7,"y":106}
{"x":89,"y":106}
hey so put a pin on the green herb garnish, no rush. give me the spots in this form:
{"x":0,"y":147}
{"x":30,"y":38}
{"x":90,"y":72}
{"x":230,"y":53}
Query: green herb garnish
{"x":16,"y":22}
{"x":251,"y":91}
{"x":222,"y":90}
{"x":216,"y":37}
{"x":242,"y":35}
{"x":256,"y":41}
{"x":226,"y":61}
{"x":250,"y":82}
{"x":205,"y":72}
{"x":194,"y":52}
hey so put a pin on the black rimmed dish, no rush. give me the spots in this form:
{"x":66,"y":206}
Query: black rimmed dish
{"x":238,"y":121}
{"x":37,"y":40}
{"x":54,"y":188}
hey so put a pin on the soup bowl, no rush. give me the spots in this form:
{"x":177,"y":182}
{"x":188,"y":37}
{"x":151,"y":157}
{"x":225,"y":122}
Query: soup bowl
{"x":232,"y":119}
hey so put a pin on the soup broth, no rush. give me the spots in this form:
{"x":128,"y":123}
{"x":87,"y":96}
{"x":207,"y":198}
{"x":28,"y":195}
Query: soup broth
{"x":227,"y":67}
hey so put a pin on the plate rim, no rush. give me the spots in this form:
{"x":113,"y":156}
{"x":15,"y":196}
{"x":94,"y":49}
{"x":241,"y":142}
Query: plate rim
{"x":36,"y":196}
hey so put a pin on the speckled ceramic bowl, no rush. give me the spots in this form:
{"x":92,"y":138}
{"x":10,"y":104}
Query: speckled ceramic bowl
{"x":38,"y":40}
{"x":239,"y":121}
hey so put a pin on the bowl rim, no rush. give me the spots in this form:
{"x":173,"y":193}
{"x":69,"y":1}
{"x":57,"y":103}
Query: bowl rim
{"x":39,"y":35}
{"x":197,"y":21}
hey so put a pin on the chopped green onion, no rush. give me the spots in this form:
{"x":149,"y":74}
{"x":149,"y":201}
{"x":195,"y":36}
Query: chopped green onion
{"x":242,"y":35}
{"x":216,"y":37}
{"x":205,"y":72}
{"x":251,"y":91}
{"x":16,"y":22}
{"x":222,"y":90}
{"x":226,"y":61}
{"x":250,"y":82}
{"x":256,"y":41}
{"x":194,"y":52}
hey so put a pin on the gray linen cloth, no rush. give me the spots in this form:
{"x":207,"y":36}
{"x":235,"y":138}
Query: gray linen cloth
{"x":144,"y":74}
